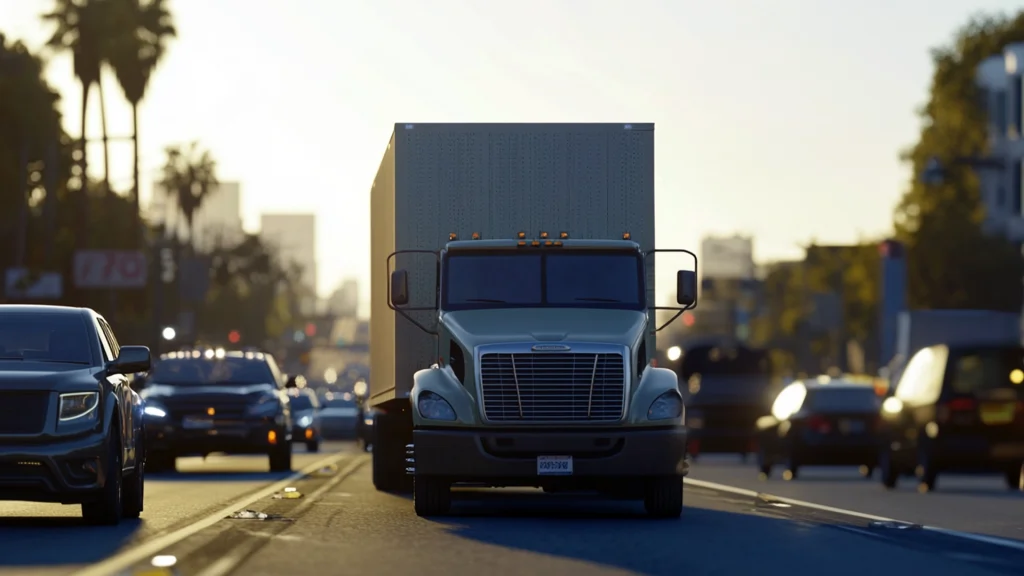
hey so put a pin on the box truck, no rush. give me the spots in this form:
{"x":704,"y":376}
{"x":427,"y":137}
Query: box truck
{"x":512,"y":326}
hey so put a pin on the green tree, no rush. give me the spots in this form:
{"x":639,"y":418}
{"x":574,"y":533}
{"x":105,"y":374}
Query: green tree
{"x":141,"y":33}
{"x":952,"y":263}
{"x":189,"y":176}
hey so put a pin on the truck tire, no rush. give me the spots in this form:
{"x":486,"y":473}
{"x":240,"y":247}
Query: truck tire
{"x":431,"y":496}
{"x":663,"y":497}
{"x":390,"y":438}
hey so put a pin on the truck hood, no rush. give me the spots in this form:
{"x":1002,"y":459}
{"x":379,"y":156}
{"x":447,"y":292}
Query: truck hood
{"x":477,"y":327}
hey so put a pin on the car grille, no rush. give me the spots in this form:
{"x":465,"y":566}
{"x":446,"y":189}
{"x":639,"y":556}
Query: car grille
{"x":227,"y":408}
{"x":539,"y":387}
{"x":23,"y":412}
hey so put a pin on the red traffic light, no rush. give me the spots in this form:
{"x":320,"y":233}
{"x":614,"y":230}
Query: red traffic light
{"x":234,"y":336}
{"x":310,"y":329}
{"x":688,"y":319}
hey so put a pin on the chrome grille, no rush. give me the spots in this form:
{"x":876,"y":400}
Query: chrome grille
{"x":539,"y":387}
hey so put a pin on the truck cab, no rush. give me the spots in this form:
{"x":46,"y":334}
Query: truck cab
{"x":543,"y":377}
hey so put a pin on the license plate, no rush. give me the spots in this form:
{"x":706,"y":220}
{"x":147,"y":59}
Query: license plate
{"x":1010,"y":450}
{"x":194,"y":423}
{"x":851,"y":426}
{"x":554,"y":465}
{"x":997,"y":413}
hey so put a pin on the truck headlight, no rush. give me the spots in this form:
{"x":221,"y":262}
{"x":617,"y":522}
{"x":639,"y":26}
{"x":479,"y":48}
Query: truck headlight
{"x":433,"y":407}
{"x":78,"y":406}
{"x":665,"y":407}
{"x":304,"y":421}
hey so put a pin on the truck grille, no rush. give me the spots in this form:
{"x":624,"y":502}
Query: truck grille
{"x":230,"y":407}
{"x":540,"y":387}
{"x":23,"y":412}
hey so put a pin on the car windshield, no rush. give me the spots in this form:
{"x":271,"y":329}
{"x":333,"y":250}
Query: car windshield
{"x":845,"y":399}
{"x":504,"y":279}
{"x":990,"y":369}
{"x":45,"y":337}
{"x":300,"y":401}
{"x":210,"y":371}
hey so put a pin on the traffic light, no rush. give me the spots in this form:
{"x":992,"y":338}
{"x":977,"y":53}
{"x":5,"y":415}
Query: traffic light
{"x":688,"y":319}
{"x":234,"y":337}
{"x":310,"y":329}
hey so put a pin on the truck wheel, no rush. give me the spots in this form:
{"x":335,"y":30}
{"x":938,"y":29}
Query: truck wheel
{"x":390,"y":438}
{"x":108,"y":509}
{"x":431,"y":496}
{"x":663,"y":497}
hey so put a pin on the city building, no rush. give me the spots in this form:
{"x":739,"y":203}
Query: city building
{"x":1000,"y":85}
{"x":294,"y":238}
{"x":344,"y":301}
{"x":217,"y":221}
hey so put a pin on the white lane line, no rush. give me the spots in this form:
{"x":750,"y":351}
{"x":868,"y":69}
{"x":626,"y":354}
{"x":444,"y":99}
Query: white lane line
{"x":991,"y":540}
{"x":226,"y":564}
{"x":148,"y":548}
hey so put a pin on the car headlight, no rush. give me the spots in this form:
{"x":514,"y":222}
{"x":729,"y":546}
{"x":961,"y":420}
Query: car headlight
{"x":304,"y":421}
{"x":266,"y":408}
{"x":665,"y":407}
{"x":433,"y":407}
{"x":154,"y":411}
{"x":78,"y":406}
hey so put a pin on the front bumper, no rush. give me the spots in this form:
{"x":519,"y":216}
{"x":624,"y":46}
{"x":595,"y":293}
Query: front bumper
{"x":305,"y":434}
{"x":486,"y":455}
{"x":233,"y":438}
{"x":66,"y":471}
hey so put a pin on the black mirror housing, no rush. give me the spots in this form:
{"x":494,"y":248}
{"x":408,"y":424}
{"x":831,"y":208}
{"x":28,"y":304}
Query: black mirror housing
{"x":131,"y":360}
{"x":399,"y":288}
{"x":686,"y":287}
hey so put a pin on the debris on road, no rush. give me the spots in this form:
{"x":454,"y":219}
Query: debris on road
{"x":254,"y":515}
{"x":288,"y":494}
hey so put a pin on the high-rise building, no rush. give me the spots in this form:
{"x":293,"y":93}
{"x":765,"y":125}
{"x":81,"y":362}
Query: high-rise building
{"x":294,"y":238}
{"x":217,"y":221}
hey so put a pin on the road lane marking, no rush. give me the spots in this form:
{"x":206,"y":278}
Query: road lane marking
{"x":242,"y":553}
{"x":148,"y":548}
{"x":990,"y":540}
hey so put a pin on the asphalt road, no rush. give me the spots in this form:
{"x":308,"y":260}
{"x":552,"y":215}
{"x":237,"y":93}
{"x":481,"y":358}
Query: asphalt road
{"x":341,"y":525}
{"x":51,"y":539}
{"x":979,"y":504}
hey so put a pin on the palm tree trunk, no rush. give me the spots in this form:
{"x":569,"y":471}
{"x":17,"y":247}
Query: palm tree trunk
{"x":106,"y":142}
{"x":135,"y":174}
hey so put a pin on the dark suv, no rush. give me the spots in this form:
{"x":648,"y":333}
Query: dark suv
{"x":204,"y":401}
{"x":956,"y":408}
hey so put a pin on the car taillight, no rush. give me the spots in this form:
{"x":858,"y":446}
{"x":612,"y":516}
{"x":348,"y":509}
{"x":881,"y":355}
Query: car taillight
{"x":957,"y":405}
{"x":819,"y":424}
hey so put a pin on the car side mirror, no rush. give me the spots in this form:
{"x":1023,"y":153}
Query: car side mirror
{"x":399,"y":288}
{"x":131,"y":360}
{"x":686,"y":287}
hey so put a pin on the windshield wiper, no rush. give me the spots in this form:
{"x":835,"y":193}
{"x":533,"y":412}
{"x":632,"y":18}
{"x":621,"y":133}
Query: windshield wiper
{"x":588,"y":299}
{"x":487,"y":300}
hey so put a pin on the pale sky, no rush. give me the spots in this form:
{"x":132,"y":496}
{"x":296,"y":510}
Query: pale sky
{"x":777,"y":118}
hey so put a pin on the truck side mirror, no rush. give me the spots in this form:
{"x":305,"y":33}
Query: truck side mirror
{"x":686,"y":287}
{"x":399,"y":288}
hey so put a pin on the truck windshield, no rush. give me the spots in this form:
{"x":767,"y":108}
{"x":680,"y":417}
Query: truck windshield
{"x":504,"y":279}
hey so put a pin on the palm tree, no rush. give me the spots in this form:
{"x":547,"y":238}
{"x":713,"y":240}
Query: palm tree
{"x":81,"y":29}
{"x":189,"y":176}
{"x":142,"y":30}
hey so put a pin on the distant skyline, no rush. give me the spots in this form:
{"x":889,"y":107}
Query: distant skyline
{"x":782,"y":120}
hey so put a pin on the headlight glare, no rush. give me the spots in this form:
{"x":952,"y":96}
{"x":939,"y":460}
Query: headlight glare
{"x":433,"y":407}
{"x":78,"y":406}
{"x":668,"y":406}
{"x":155,"y":411}
{"x":305,"y":421}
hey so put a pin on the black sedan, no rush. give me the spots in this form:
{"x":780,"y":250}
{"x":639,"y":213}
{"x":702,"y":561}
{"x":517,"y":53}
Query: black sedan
{"x":820,"y":422}
{"x":200,"y":402}
{"x":70,"y":424}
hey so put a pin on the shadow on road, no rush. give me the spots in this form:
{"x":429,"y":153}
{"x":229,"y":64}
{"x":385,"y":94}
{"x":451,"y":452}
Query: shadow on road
{"x":711,"y":538}
{"x":33,"y":541}
{"x":218,"y":476}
